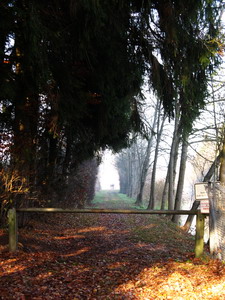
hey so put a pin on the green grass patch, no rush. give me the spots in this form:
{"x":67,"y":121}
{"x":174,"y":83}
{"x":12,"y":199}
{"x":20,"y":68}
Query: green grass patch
{"x":126,"y":200}
{"x":99,"y":197}
{"x":114,"y":200}
{"x":160,"y":230}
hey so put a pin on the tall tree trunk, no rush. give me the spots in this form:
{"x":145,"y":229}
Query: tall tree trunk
{"x":151,"y":204}
{"x":145,"y":165}
{"x":165,"y":193}
{"x":180,"y":184}
{"x":67,"y":158}
{"x":130,"y":173}
{"x":122,"y":167}
{"x":173,"y":161}
{"x":144,"y":171}
{"x":168,"y":190}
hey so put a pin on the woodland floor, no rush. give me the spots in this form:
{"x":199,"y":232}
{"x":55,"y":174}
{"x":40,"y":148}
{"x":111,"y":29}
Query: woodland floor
{"x":68,"y":256}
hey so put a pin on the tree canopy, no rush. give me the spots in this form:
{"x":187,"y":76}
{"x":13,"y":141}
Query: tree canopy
{"x":72,"y":71}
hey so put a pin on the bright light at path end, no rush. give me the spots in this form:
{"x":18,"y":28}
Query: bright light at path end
{"x":108,"y":174}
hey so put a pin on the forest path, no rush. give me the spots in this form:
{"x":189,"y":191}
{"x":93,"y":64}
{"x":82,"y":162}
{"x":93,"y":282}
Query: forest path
{"x":107,"y":256}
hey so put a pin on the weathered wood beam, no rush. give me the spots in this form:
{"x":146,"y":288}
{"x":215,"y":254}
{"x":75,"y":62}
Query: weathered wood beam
{"x":109,"y":211}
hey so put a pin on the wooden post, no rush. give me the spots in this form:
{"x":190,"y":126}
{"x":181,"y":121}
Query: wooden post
{"x":13,"y":234}
{"x":199,"y":236}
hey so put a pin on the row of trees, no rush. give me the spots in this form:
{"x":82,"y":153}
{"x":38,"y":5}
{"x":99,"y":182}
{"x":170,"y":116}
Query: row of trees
{"x":71,"y":74}
{"x":201,"y":149}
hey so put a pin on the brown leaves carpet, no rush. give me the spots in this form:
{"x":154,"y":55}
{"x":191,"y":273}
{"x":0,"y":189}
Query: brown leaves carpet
{"x":67,"y":256}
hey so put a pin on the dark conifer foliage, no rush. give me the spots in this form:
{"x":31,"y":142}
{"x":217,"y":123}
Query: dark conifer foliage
{"x":71,"y":71}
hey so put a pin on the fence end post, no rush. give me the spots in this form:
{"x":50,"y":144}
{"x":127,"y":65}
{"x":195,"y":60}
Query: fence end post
{"x":13,"y":230}
{"x":199,"y":235}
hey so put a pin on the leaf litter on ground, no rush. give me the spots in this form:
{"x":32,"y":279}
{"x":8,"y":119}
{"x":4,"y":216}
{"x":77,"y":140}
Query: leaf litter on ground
{"x":106,"y":256}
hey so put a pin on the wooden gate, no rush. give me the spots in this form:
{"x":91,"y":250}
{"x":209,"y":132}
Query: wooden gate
{"x":199,"y":236}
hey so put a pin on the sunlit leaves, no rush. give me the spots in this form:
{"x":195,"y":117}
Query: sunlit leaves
{"x":97,"y":257}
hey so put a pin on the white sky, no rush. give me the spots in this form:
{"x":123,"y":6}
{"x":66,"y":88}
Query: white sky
{"x":108,"y":175}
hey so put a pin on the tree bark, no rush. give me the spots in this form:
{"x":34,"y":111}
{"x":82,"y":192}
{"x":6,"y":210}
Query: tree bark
{"x":144,"y":171}
{"x":173,"y":162}
{"x":145,"y":165}
{"x":165,"y":193}
{"x":180,"y":184}
{"x":131,"y":173}
{"x":151,"y":204}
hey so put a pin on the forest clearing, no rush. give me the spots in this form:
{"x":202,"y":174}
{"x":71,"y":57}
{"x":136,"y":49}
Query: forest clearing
{"x":85,"y":256}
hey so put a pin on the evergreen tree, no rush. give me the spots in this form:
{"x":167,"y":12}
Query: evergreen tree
{"x":70,"y":72}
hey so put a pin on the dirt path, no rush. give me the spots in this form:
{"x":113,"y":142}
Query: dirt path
{"x":107,"y":257}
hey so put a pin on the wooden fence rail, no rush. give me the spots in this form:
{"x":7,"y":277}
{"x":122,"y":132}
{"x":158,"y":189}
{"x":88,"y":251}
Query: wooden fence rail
{"x":199,"y":236}
{"x":110,"y":211}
